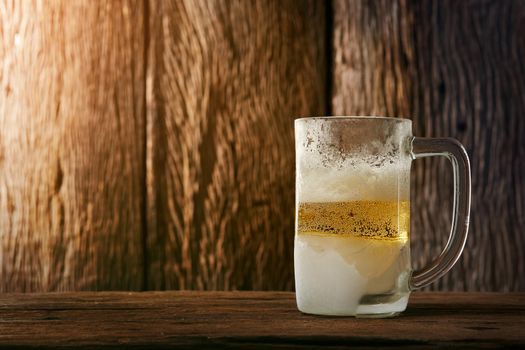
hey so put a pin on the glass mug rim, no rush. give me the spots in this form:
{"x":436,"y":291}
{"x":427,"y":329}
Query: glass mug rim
{"x":354,"y":117}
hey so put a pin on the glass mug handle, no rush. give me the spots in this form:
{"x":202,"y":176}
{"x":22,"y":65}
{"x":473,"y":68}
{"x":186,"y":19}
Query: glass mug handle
{"x":456,"y":153}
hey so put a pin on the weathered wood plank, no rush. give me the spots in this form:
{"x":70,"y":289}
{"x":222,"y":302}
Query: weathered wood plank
{"x":252,"y":320}
{"x":225,"y":81}
{"x":456,"y":69}
{"x":71,"y":145}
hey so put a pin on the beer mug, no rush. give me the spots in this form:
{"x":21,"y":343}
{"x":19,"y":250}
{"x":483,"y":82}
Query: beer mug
{"x":352,"y":228}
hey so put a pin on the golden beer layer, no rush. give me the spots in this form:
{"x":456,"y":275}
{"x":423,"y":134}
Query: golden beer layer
{"x":381,"y":220}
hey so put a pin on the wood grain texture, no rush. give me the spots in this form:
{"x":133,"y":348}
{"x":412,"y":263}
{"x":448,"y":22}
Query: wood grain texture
{"x":252,"y":320}
{"x":71,"y":156}
{"x":456,"y":69}
{"x":225,"y":81}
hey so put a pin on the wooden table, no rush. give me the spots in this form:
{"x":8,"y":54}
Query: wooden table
{"x":252,"y":320}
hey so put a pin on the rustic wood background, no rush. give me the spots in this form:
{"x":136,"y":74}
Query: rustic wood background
{"x":149,"y":144}
{"x":456,"y":69}
{"x":72,"y":154}
{"x":224,"y":82}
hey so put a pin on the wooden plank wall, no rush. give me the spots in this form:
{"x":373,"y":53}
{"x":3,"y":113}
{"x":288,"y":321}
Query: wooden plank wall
{"x":456,"y":69}
{"x":220,"y":138}
{"x":149,"y":144}
{"x":171,"y":120}
{"x":71,"y":149}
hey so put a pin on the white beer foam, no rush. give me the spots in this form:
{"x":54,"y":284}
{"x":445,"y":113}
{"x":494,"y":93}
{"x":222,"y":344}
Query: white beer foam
{"x":354,"y":166}
{"x":388,"y":182}
{"x":332,"y":274}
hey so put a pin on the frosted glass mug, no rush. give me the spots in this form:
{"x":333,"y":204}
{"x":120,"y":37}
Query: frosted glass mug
{"x":352,"y":229}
